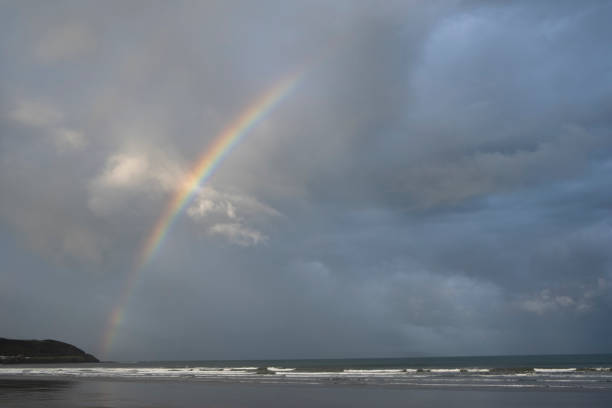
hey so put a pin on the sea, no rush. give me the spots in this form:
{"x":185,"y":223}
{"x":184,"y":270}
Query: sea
{"x":485,"y":381}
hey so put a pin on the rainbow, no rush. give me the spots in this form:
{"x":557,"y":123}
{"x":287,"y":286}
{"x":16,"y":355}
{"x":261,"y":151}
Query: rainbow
{"x":210,"y":160}
{"x":202,"y":170}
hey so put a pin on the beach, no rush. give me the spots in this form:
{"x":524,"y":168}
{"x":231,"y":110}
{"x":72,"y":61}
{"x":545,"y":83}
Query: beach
{"x":493,"y":381}
{"x":34,"y":393}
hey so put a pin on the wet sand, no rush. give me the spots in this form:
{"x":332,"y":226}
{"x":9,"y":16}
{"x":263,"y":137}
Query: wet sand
{"x":38,"y":393}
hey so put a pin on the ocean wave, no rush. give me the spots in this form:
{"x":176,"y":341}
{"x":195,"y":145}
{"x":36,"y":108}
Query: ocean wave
{"x":554,"y":370}
{"x":228,"y":371}
{"x":456,"y":377}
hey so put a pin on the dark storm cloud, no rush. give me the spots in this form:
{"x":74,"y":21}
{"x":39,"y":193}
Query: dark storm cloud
{"x":438,"y":181}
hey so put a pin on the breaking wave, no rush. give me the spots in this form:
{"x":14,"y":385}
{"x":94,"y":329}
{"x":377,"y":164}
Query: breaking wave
{"x":598,"y":377}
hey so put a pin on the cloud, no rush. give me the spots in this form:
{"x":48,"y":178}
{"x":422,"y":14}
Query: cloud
{"x":129,"y":174}
{"x":125,"y":171}
{"x":428,"y":299}
{"x":478,"y":173}
{"x":547,"y":301}
{"x":48,"y":119}
{"x":238,"y":234}
{"x":437,"y":181}
{"x":69,"y":140}
{"x":226,"y":214}
{"x":36,"y":113}
{"x":64,"y":41}
{"x":209,"y":200}
{"x":82,"y":243}
{"x":544,"y":302}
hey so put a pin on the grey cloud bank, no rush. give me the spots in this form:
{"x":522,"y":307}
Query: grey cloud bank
{"x":438,"y":182}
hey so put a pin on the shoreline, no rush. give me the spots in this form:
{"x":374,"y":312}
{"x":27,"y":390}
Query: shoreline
{"x":77,"y":392}
{"x":326,"y":384}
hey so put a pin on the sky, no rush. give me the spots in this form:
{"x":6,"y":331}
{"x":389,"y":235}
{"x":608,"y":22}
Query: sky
{"x":437,"y":181}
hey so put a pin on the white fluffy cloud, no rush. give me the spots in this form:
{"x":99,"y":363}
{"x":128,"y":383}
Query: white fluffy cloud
{"x":124,"y":170}
{"x":229,"y":214}
{"x":131,"y":173}
{"x":212,"y":201}
{"x":238,"y":234}
{"x":136,"y":173}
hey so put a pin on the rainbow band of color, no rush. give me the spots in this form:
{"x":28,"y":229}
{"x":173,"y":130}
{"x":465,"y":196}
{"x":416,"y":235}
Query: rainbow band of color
{"x":203,"y":169}
{"x":209,"y":161}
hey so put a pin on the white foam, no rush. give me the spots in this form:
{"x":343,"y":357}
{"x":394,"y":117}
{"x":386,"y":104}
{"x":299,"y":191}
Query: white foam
{"x":545,"y":376}
{"x":554,"y":370}
{"x":318,"y":374}
{"x":126,"y":372}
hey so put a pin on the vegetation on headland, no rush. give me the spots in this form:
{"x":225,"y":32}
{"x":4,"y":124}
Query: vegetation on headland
{"x":13,"y":351}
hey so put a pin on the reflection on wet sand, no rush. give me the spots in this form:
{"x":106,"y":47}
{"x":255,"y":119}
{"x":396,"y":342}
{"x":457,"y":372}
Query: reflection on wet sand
{"x":12,"y":389}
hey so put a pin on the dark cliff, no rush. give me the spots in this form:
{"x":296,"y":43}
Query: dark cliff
{"x":41,"y":351}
